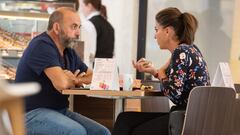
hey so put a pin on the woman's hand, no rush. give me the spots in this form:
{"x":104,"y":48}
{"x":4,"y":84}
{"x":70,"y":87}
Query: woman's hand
{"x":144,"y":65}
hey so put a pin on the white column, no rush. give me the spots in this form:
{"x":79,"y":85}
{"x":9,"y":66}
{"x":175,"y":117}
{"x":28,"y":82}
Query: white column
{"x":123,"y":15}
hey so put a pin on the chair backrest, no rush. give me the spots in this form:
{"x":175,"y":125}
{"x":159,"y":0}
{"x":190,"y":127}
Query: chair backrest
{"x":237,"y":87}
{"x":209,"y":111}
{"x":176,"y":120}
{"x":236,"y":120}
{"x":154,"y":104}
{"x":11,"y":102}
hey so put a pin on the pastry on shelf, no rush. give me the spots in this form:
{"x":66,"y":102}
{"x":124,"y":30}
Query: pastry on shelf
{"x":11,"y":40}
{"x":7,"y":72}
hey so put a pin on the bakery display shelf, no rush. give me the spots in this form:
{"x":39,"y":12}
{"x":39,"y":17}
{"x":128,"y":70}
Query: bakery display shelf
{"x":24,"y":15}
{"x":8,"y":71}
{"x":11,"y":53}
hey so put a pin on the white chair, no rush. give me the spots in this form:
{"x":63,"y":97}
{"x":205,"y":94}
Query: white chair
{"x":11,"y":104}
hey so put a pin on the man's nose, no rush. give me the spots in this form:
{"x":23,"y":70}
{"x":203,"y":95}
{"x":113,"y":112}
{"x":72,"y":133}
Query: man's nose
{"x":77,"y":34}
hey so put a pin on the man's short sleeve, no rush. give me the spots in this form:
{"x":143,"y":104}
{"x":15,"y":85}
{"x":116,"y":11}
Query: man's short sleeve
{"x":42,"y":56}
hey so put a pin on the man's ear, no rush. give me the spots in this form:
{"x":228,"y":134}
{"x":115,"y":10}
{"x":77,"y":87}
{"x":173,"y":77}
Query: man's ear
{"x":56,"y":28}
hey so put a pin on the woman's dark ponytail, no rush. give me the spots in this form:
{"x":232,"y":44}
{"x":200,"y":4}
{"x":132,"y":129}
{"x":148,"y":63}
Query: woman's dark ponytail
{"x":189,"y":24}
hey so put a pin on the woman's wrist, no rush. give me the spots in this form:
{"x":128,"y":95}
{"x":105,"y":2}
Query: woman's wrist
{"x":163,"y":79}
{"x":155,"y":73}
{"x":162,"y":75}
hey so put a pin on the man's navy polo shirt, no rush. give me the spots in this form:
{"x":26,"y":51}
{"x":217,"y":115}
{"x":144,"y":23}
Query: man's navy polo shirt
{"x":42,"y":53}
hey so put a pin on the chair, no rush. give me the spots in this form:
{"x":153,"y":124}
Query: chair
{"x":176,"y":120}
{"x":236,"y":120}
{"x":209,"y":111}
{"x":156,"y":104}
{"x":237,"y":87}
{"x":12,"y":103}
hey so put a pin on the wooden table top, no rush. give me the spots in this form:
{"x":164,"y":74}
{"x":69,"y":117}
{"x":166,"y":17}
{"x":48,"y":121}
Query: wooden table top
{"x":135,"y":93}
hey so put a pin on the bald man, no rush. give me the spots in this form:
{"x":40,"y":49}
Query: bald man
{"x":50,"y":61}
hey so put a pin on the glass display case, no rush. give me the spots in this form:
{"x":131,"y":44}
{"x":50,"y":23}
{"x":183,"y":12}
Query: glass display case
{"x":20,"y":22}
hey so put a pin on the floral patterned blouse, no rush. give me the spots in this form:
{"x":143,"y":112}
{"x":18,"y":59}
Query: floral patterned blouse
{"x":187,"y":70}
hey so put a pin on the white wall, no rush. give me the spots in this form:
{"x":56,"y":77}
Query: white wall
{"x":123,"y":15}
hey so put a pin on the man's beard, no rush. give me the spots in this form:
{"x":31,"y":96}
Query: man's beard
{"x":65,"y":40}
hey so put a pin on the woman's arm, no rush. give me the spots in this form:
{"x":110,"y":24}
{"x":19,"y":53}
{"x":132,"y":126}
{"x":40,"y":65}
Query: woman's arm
{"x":161,"y":74}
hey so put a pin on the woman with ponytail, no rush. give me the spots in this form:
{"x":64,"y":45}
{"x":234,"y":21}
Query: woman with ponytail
{"x":185,"y":69}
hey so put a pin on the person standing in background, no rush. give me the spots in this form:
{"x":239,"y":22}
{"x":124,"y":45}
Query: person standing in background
{"x":99,"y":40}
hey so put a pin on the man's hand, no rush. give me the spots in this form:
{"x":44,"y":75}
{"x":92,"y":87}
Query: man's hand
{"x":72,"y":77}
{"x":76,"y":72}
{"x":78,"y":77}
{"x":69,"y":74}
{"x":75,"y":77}
{"x":84,"y":77}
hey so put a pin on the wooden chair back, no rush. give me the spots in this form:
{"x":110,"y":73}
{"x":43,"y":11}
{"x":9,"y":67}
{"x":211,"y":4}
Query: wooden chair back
{"x":154,"y":104}
{"x":236,"y":119}
{"x":209,"y":111}
{"x":11,"y":101}
{"x":237,"y":87}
